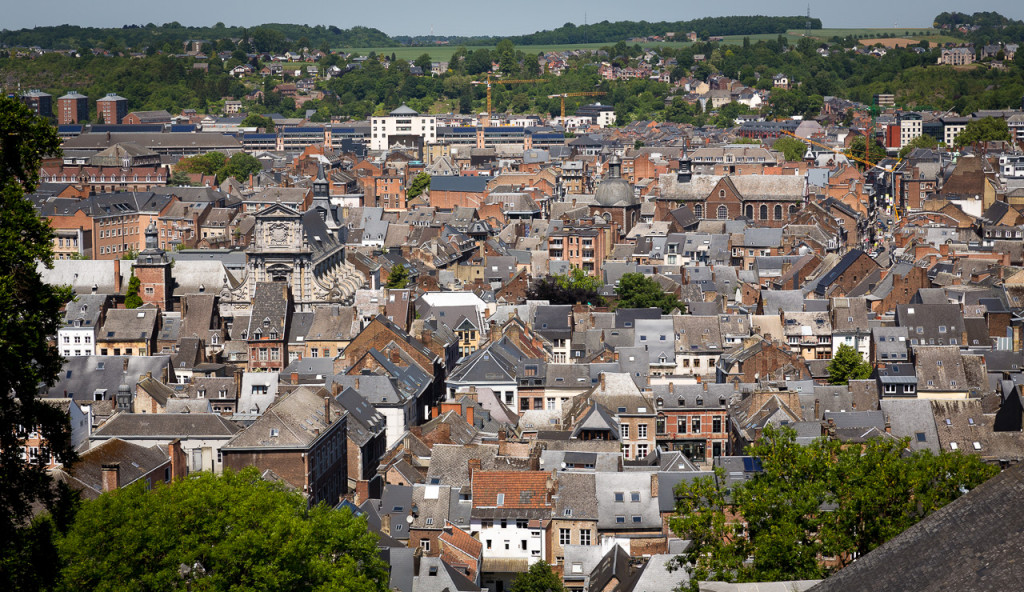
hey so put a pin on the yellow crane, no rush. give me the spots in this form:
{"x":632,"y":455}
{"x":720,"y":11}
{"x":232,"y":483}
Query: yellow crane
{"x":595,"y":93}
{"x":488,"y":82}
{"x":867,"y":163}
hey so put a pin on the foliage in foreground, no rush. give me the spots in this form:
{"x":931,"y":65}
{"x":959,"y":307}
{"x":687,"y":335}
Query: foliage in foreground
{"x":575,"y":286}
{"x":539,"y":578}
{"x":206,"y":532}
{"x":29,"y":315}
{"x":823,"y":500}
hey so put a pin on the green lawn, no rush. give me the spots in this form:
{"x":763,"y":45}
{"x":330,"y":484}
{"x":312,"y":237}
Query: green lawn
{"x":444,"y":53}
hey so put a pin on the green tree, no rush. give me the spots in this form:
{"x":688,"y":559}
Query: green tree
{"x":398,"y":278}
{"x":179,"y":179}
{"x":258,"y":121}
{"x":131,"y":295}
{"x":848,"y":365}
{"x":576,"y":286}
{"x":239,"y":166}
{"x":986,"y":129}
{"x":826,"y":499}
{"x":922,"y":141}
{"x":423,"y":62}
{"x":857,"y":150}
{"x":420,"y":183}
{"x":539,"y":578}
{"x":29,"y":317}
{"x":791,"y":148}
{"x":207,"y":532}
{"x":635,"y":290}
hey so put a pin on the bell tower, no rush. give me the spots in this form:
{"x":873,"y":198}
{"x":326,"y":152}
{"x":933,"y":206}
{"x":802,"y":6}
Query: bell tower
{"x":153,"y":268}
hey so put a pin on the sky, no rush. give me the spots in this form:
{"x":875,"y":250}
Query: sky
{"x":463,"y":17}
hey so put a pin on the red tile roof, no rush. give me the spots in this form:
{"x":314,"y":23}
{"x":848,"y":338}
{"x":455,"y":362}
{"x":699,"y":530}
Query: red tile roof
{"x":521,"y":489}
{"x":462,"y":541}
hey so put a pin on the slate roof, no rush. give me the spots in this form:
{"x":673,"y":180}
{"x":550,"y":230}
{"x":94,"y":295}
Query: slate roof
{"x":166,"y":425}
{"x":134,"y":462}
{"x":297,"y":419}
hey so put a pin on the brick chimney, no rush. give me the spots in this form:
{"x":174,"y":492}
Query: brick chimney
{"x":654,"y":485}
{"x":817,"y":409}
{"x":474,"y":465}
{"x":327,"y":410}
{"x":117,"y":276}
{"x":396,"y":356}
{"x":295,"y":378}
{"x":110,"y":477}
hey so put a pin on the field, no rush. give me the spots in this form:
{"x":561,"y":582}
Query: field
{"x":443,"y":53}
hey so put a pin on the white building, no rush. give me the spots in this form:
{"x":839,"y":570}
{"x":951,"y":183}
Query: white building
{"x":400,"y":125}
{"x":77,"y":336}
{"x":911,"y":127}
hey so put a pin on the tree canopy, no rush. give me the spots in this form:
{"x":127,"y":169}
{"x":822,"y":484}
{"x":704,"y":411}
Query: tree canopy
{"x":399,"y":278}
{"x":846,"y":365}
{"x":635,"y":290}
{"x":258,"y":121}
{"x":420,"y":183}
{"x":986,"y":129}
{"x":826,"y":499}
{"x":239,"y":166}
{"x":206,"y":532}
{"x":29,"y":316}
{"x":857,"y":150}
{"x":539,"y":578}
{"x":576,"y":286}
{"x":922,"y":141}
{"x":131,"y":294}
{"x":792,"y":149}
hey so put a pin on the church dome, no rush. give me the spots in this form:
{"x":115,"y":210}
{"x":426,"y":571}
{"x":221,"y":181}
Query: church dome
{"x":614,"y":190}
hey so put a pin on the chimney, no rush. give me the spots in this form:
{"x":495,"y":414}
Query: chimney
{"x":177,"y":457}
{"x":944,"y":249}
{"x":495,"y":331}
{"x":238,"y":384}
{"x":671,"y":388}
{"x":705,"y":386}
{"x":425,"y":336}
{"x":357,"y":383}
{"x":327,"y":410}
{"x":654,"y":485}
{"x":111,"y":477}
{"x":469,"y":416}
{"x":501,"y":436}
{"x":396,"y":356}
{"x":295,"y":378}
{"x":117,"y":276}
{"x":817,"y":409}
{"x":474,"y":465}
{"x":888,"y":426}
{"x":602,"y":381}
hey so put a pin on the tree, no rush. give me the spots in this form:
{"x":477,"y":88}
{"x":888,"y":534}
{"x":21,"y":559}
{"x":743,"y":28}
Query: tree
{"x":179,"y":179}
{"x":420,"y":183}
{"x":423,"y":62}
{"x":131,"y":295}
{"x":576,"y":286}
{"x":857,"y":150}
{"x":539,"y":578}
{"x":635,"y":290}
{"x":29,"y":317}
{"x":986,"y":129}
{"x":922,"y":141}
{"x":792,"y":149}
{"x":846,"y":365}
{"x":398,"y":278}
{"x":239,"y":166}
{"x":826,"y":499}
{"x":207,"y":532}
{"x":258,"y":121}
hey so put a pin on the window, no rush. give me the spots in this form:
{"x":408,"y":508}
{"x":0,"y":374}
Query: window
{"x":585,"y":537}
{"x":723,"y":213}
{"x":763,"y":212}
{"x":659,"y":425}
{"x":695,"y":425}
{"x":641,"y":431}
{"x":425,"y":544}
{"x":624,"y":431}
{"x":564,"y":536}
{"x":681,"y":425}
{"x":620,"y":520}
{"x":263,"y":354}
{"x":778,"y":212}
{"x":716,"y":425}
{"x":641,"y":450}
{"x":636,"y":520}
{"x":625,"y":451}
{"x":501,"y":502}
{"x":620,"y":496}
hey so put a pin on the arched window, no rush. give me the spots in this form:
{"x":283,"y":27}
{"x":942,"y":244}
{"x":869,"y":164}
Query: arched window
{"x":792,"y":210}
{"x":748,"y":211}
{"x":721,"y":193}
{"x":764,"y":212}
{"x":778,"y":212}
{"x":698,"y":211}
{"x":723,"y":213}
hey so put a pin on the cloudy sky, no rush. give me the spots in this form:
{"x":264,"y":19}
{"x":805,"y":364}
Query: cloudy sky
{"x":462,"y":17}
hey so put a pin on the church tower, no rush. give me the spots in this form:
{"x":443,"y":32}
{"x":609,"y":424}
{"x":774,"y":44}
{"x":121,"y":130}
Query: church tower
{"x":153,"y":268}
{"x":321,"y":187}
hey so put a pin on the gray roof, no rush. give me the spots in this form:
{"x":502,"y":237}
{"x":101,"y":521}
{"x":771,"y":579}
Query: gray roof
{"x":130,"y":426}
{"x":295,"y":420}
{"x":610,"y":511}
{"x":84,"y":377}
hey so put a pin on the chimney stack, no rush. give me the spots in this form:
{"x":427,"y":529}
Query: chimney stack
{"x":327,"y":410}
{"x":111,"y":476}
{"x":817,"y":409}
{"x":295,"y":378}
{"x":671,"y":388}
{"x":474,"y":465}
{"x":602,"y":381}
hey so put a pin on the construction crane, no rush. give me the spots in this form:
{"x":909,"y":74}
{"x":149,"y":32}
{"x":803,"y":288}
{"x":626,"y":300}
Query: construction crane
{"x":501,"y":81}
{"x":867,"y":163}
{"x":575,"y":94}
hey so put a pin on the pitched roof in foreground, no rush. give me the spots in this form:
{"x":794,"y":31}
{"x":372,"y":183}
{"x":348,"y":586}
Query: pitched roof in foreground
{"x":972,"y":544}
